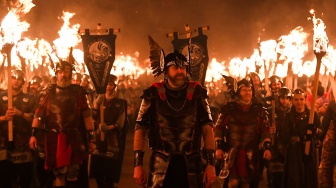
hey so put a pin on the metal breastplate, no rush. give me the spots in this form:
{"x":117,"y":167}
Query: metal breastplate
{"x":63,"y":111}
{"x":243,"y":129}
{"x":177,"y":128}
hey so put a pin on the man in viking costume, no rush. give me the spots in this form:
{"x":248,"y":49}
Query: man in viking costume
{"x":107,"y":158}
{"x":43,"y":177}
{"x":328,"y":156}
{"x":16,"y":159}
{"x":241,"y":129}
{"x":176,"y":115}
{"x":35,"y":86}
{"x":258,"y":86}
{"x":300,"y":167}
{"x":63,"y":111}
{"x":275,"y":83}
{"x":275,"y":167}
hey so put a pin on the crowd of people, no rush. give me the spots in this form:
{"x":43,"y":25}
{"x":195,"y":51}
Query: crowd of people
{"x":254,"y":129}
{"x":64,"y":133}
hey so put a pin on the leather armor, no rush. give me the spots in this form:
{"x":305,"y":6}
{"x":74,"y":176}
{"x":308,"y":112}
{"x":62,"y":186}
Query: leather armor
{"x":175,"y":120}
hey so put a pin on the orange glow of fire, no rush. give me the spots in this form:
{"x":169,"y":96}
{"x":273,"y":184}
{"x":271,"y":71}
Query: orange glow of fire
{"x":320,"y":36}
{"x":215,"y":71}
{"x":12,"y":28}
{"x":128,"y":66}
{"x":68,"y":36}
{"x":290,"y":48}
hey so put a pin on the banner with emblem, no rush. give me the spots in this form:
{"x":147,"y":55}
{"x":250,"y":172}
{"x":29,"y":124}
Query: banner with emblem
{"x":99,"y":56}
{"x":198,"y":54}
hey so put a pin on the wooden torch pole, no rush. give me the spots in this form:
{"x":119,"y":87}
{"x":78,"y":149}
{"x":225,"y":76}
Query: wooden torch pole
{"x":102,"y":133}
{"x":7,"y":49}
{"x":314,"y":96}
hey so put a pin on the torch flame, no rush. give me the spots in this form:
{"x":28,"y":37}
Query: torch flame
{"x":320,"y":36}
{"x":69,"y":36}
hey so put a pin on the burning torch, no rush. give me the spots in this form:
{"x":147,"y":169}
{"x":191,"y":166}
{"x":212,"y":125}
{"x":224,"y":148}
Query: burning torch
{"x":320,"y":49}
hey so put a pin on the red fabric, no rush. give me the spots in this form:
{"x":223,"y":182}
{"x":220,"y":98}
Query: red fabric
{"x":64,"y":151}
{"x":191,"y":89}
{"x":240,"y":165}
{"x":161,"y":90}
{"x":58,"y":154}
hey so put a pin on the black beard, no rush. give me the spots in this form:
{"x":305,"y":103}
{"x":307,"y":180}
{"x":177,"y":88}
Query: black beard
{"x":177,"y":82}
{"x":33,"y":90}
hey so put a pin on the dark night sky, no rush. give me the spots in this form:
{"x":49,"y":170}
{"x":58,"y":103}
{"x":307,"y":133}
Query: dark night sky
{"x":234,"y":24}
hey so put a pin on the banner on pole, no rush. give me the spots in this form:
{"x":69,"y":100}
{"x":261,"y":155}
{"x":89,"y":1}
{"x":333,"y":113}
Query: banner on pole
{"x":198,"y":50}
{"x":99,"y":56}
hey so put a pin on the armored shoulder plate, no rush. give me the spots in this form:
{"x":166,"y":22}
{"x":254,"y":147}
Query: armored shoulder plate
{"x":149,"y":93}
{"x":199,"y":90}
{"x":50,"y":89}
{"x":260,"y":109}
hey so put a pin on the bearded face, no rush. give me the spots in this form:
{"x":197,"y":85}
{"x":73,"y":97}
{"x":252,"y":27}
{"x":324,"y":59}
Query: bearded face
{"x":177,"y":76}
{"x":64,"y":77}
{"x":34,"y":87}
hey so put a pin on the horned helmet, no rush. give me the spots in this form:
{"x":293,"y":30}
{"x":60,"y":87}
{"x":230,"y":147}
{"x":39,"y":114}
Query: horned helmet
{"x":160,"y":62}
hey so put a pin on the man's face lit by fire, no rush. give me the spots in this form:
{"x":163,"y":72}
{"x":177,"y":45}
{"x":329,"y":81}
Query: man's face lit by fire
{"x":110,"y":88}
{"x":299,"y":101}
{"x":76,"y":80}
{"x":177,"y":76}
{"x":245,"y":94}
{"x":63,"y":77}
{"x":17,"y":83}
{"x":34,"y":87}
{"x":284,"y":100}
{"x":256,"y":81}
{"x":275,"y":86}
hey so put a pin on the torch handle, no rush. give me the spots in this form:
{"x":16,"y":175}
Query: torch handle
{"x":7,"y":49}
{"x":266,"y":81}
{"x":273,"y":119}
{"x":10,"y":100}
{"x":102,"y":134}
{"x":314,"y":96}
